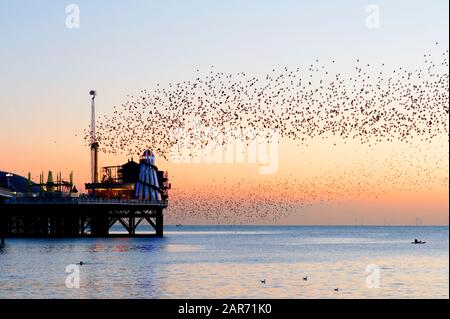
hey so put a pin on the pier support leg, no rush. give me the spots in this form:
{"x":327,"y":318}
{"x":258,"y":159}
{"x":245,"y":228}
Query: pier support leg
{"x":132,"y":224}
{"x":3,"y":228}
{"x":100,"y":225}
{"x":26,"y":225}
{"x":159,"y":223}
{"x":2,"y":231}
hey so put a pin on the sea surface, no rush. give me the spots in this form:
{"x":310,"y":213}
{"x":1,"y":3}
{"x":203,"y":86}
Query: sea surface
{"x":231,"y":262}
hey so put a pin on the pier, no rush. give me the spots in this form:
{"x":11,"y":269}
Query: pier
{"x":79,"y":217}
{"x":131,"y":195}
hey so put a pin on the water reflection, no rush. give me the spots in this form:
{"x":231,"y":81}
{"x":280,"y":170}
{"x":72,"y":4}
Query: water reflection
{"x":221,"y":262}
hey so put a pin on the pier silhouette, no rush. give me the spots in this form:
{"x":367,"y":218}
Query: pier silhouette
{"x":129,"y":194}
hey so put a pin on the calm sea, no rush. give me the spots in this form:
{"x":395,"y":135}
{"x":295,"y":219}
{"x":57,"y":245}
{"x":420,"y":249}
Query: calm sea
{"x":231,"y":261}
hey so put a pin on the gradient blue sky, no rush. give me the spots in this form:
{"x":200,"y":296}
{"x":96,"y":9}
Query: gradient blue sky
{"x":124,"y":46}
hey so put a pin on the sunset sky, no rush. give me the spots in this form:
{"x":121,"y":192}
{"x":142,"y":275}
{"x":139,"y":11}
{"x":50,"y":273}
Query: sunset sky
{"x":121,"y":47}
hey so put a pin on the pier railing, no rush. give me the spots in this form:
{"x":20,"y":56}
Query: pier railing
{"x":83,"y":200}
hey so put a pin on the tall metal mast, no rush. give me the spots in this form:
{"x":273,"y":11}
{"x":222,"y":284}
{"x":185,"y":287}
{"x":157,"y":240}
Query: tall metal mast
{"x":94,"y":143}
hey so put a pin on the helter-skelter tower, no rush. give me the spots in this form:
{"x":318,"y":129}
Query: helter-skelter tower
{"x":93,"y":141}
{"x":148,"y":187}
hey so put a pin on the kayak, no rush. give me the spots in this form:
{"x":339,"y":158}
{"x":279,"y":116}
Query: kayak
{"x":419,"y":242}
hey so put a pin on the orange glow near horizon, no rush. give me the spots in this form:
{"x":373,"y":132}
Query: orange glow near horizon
{"x":321,"y":183}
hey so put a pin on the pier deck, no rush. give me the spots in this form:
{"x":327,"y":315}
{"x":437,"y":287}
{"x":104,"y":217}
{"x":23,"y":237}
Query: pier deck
{"x":78,"y":217}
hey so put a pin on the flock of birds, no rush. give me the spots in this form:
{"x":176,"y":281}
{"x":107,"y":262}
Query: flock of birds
{"x":368,"y":104}
{"x":266,"y":201}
